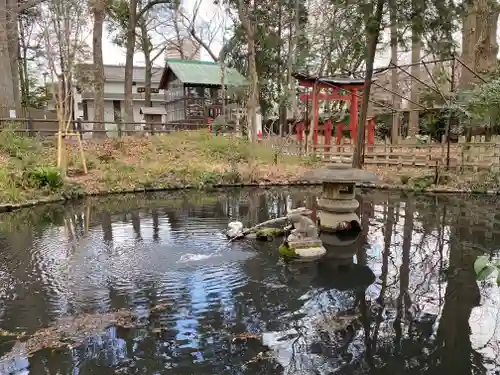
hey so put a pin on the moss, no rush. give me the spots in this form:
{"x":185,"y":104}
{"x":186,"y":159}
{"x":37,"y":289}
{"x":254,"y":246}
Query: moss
{"x":287,"y":252}
{"x":268,"y":234}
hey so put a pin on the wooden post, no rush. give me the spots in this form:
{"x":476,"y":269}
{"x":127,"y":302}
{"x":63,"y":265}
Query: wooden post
{"x":59,"y":148}
{"x":315,"y":120}
{"x":338,"y":137}
{"x":300,"y":134}
{"x":353,"y":115}
{"x":371,"y":133}
{"x":328,"y":134}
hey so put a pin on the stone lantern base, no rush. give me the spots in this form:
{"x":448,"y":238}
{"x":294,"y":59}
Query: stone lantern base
{"x":337,"y":206}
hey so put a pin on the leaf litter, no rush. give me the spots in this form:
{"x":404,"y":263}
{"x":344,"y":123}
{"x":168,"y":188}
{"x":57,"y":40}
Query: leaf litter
{"x":67,"y":332}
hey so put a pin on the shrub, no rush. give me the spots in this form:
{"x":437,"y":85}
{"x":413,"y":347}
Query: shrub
{"x":44,"y":176}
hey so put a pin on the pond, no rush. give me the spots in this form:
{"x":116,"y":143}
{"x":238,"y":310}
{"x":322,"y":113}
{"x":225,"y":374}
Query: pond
{"x":410,"y":303}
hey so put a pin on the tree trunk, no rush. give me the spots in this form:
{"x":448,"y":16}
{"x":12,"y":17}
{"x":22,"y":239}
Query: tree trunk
{"x":372,"y":27}
{"x":129,"y":65}
{"x":6,"y":89}
{"x":416,"y":46}
{"x":98,"y":9}
{"x":147,"y":80}
{"x":223,"y":89}
{"x":396,"y":101}
{"x":253,"y":97}
{"x":146,"y":50}
{"x":292,"y":52}
{"x":23,"y":66}
{"x":13,"y":48}
{"x":479,"y":44}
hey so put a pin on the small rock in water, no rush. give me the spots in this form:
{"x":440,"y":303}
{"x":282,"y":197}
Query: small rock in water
{"x":234,"y":229}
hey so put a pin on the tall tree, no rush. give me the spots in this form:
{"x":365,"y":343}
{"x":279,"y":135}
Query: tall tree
{"x":29,"y":49}
{"x":396,"y":100}
{"x":417,"y":20}
{"x":98,"y":12}
{"x":373,"y":18}
{"x":253,"y":95}
{"x":134,"y":14}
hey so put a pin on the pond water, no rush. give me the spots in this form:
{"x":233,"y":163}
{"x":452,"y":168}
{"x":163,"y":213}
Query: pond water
{"x":409,"y":304}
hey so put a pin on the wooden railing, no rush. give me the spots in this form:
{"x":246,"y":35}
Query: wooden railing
{"x":462,"y":155}
{"x":473,"y":155}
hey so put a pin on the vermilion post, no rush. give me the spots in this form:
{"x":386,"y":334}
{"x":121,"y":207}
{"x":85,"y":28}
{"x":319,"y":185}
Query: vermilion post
{"x":339,"y":130}
{"x":327,"y":128}
{"x":315,"y":117}
{"x":300,"y":132}
{"x":353,"y":120}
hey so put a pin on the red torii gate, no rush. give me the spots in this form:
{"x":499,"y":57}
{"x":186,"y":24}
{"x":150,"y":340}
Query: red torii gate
{"x":350,"y":88}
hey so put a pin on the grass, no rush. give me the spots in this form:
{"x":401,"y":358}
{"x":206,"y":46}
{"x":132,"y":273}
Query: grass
{"x":27,"y":171}
{"x":175,"y":160}
{"x":27,"y":166}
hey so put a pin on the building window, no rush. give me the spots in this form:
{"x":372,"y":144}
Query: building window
{"x":85,"y":110}
{"x":117,"y":111}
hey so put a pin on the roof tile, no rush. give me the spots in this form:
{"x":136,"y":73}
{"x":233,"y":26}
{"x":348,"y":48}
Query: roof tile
{"x":204,"y":73}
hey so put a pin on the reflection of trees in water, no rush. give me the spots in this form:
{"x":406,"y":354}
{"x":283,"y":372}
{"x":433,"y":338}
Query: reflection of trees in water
{"x":450,"y":349}
{"x":404,"y":334}
{"x":398,"y":330}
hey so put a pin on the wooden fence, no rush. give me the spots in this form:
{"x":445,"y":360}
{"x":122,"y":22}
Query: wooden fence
{"x":463,"y":155}
{"x":475,"y":155}
{"x":91,"y":129}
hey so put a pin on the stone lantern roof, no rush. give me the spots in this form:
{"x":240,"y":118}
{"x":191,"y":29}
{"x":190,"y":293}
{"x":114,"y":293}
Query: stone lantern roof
{"x":340,"y":174}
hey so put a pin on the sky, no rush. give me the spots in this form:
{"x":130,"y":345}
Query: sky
{"x":113,"y":54}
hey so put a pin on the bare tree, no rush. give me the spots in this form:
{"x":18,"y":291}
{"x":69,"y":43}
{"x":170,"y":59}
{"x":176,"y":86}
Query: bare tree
{"x":64,"y":31}
{"x":253,"y":95}
{"x":98,"y":10}
{"x":134,"y":15}
{"x":416,"y":49}
{"x":202,"y":32}
{"x":396,"y":101}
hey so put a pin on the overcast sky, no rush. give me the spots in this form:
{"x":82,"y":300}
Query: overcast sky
{"x":116,"y":55}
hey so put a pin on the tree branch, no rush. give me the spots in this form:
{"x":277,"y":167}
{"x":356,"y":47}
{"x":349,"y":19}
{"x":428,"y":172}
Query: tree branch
{"x":28,"y":4}
{"x":150,"y":5}
{"x":203,"y":44}
{"x":192,"y":32}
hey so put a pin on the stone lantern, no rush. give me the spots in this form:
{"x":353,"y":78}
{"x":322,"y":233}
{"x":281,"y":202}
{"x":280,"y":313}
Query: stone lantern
{"x":337,"y":220}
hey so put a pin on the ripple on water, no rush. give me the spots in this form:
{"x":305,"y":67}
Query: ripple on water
{"x":81,"y":273}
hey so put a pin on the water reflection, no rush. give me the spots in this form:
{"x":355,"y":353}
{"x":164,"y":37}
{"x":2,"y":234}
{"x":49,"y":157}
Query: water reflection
{"x":406,"y":301}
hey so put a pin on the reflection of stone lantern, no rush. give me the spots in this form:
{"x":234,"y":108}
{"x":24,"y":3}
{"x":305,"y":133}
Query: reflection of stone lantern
{"x":337,"y":219}
{"x":339,"y":276}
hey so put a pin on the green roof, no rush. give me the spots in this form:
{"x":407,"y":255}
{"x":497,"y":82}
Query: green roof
{"x":201,"y":73}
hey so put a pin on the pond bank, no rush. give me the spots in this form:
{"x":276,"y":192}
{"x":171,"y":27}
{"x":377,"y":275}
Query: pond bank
{"x":440,"y":190}
{"x":184,"y":160}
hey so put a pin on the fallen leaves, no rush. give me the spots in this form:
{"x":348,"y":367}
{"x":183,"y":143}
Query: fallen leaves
{"x":159,"y":308}
{"x":245,"y":337}
{"x":18,"y":335}
{"x":69,"y":332}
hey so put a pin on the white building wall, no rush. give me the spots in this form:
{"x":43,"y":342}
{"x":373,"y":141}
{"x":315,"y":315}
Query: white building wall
{"x":109,"y":115}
